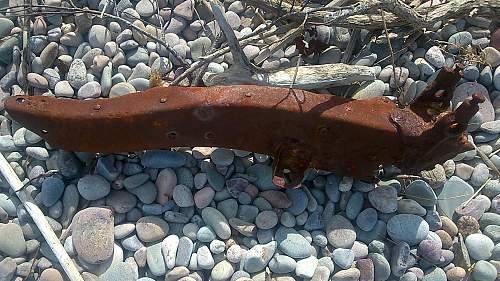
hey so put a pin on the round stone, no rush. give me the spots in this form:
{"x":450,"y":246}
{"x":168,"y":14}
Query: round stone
{"x":435,"y":57}
{"x":291,"y":243}
{"x":421,"y":192}
{"x":203,"y":197}
{"x":467,"y":225}
{"x":121,"y":201}
{"x":52,"y":190}
{"x":77,"y":74}
{"x":216,"y":220}
{"x":222,"y":156}
{"x":93,"y":187}
{"x":63,"y":89}
{"x":282,"y":264}
{"x":259,"y":256}
{"x":484,"y":271}
{"x":99,"y":35}
{"x":409,"y":228}
{"x":222,"y":271}
{"x":367,"y":219}
{"x":435,"y":274}
{"x":480,"y":246}
{"x":13,"y":244}
{"x":455,"y":274}
{"x":343,"y":257}
{"x":121,"y":89}
{"x":266,"y":219}
{"x":182,"y":196}
{"x":151,"y":229}
{"x":340,"y":232}
{"x":93,"y":234}
{"x":90,"y":90}
{"x":384,"y":199}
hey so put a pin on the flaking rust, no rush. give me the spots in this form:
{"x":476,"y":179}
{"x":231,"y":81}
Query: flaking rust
{"x":299,"y":129}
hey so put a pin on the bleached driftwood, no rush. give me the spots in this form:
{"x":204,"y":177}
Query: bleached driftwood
{"x":40,"y":220}
{"x":308,"y":77}
{"x":302,"y":77}
{"x":365,"y":14}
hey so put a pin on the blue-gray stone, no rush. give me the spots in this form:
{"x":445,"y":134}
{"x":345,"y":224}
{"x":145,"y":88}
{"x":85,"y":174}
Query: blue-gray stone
{"x":135,"y":180}
{"x":259,"y":256}
{"x":69,"y":166}
{"x":343,"y":257}
{"x":264,"y":175}
{"x":132,"y":243}
{"x":216,"y":220}
{"x":93,"y":187}
{"x":108,"y":168}
{"x":381,"y":266}
{"x":454,"y":192}
{"x":137,"y":56}
{"x":484,"y":271}
{"x":163,"y":159}
{"x":479,"y":246}
{"x":367,"y":219}
{"x":459,"y":39}
{"x":248,"y":213}
{"x":184,"y":251}
{"x":409,"y":228}
{"x":354,"y":205}
{"x":185,"y":177}
{"x":314,"y":221}
{"x":435,"y":274}
{"x":421,"y":192}
{"x":9,"y":204}
{"x":52,"y":190}
{"x":155,"y":261}
{"x":146,"y":192}
{"x":299,"y":201}
{"x":282,"y":264}
{"x":378,"y":232}
{"x":153,"y":209}
{"x":122,"y":271}
{"x":471,"y":73}
{"x":259,"y":202}
{"x":205,"y":234}
{"x":215,"y":179}
{"x":486,"y":76}
{"x":245,"y":198}
{"x":265,"y":235}
{"x":332,"y":187}
{"x":228,"y":207}
{"x":131,"y":168}
{"x":400,"y":258}
{"x":291,"y":243}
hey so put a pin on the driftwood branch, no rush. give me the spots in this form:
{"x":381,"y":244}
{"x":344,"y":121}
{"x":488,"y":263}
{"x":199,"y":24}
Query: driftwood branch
{"x":301,"y":77}
{"x":40,"y":220}
{"x":308,"y":77}
{"x":364,"y":14}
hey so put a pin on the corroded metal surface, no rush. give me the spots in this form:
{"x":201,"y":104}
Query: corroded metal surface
{"x":299,"y":128}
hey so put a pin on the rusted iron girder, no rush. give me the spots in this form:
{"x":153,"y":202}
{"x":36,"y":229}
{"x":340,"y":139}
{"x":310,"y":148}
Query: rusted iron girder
{"x":298,"y":128}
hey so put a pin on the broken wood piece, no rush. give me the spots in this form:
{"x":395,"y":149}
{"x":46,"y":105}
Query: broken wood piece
{"x":40,"y":221}
{"x":366,"y":15}
{"x":308,"y":77}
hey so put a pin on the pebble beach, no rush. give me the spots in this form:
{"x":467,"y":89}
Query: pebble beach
{"x":207,"y":213}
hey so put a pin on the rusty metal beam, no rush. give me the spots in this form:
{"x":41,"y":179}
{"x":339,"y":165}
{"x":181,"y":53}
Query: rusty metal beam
{"x":299,"y":128}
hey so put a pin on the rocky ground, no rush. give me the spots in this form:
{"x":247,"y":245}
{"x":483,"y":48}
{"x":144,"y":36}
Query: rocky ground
{"x":213,"y":213}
